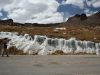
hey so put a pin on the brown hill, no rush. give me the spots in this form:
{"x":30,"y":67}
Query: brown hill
{"x":83,"y":21}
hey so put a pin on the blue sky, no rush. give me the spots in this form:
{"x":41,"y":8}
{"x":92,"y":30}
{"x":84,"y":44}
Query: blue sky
{"x":45,"y":11}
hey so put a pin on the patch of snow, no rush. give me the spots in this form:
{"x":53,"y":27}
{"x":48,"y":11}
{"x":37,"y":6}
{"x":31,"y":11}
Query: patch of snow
{"x":43,"y":45}
{"x":64,"y":33}
{"x":56,"y":29}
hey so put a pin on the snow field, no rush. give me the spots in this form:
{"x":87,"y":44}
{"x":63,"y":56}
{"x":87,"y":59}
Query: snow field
{"x":43,"y":45}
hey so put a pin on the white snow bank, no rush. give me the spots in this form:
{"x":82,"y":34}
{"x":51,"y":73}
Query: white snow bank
{"x":43,"y":45}
{"x":61,"y":28}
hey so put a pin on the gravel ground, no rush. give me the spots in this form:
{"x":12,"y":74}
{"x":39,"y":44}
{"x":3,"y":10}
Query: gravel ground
{"x":50,"y":65}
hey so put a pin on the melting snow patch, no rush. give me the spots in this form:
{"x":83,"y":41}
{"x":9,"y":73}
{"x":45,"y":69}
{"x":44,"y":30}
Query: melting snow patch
{"x":56,"y":29}
{"x":64,"y":33}
{"x":43,"y":45}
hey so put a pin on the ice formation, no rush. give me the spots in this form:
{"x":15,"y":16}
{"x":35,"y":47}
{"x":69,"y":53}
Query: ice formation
{"x":43,"y":45}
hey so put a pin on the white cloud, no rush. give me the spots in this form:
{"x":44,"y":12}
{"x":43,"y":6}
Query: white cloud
{"x":79,"y":3}
{"x":4,"y":18}
{"x":88,"y":2}
{"x":50,"y":18}
{"x":86,"y":10}
{"x":89,"y":12}
{"x":44,"y":11}
{"x":94,"y":3}
{"x":1,"y":14}
{"x":66,"y":16}
{"x":37,"y":1}
{"x":5,"y":2}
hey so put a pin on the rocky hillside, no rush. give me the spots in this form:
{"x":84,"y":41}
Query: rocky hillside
{"x":81,"y":20}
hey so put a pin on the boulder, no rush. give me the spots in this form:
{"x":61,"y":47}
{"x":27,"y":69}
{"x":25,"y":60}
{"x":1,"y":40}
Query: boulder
{"x":83,"y":16}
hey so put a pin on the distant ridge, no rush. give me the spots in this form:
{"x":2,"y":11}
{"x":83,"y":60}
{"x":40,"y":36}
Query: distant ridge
{"x":12,"y":23}
{"x":78,"y":20}
{"x":83,"y":21}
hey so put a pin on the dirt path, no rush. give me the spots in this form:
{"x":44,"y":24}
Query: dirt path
{"x":50,"y":65}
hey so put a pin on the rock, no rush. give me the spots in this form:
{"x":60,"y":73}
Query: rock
{"x":98,"y":13}
{"x":83,"y":17}
{"x":77,"y":15}
{"x":6,"y":22}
